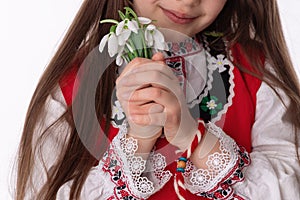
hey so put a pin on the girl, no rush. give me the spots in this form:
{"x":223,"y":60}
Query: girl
{"x":195,"y":115}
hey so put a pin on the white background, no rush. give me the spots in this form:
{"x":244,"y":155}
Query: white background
{"x":30,"y":33}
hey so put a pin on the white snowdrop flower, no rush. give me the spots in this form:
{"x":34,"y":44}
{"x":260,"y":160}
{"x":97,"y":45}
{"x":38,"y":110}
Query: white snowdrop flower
{"x":159,"y":41}
{"x":120,"y":27}
{"x":144,"y":20}
{"x":133,"y":26}
{"x":123,"y":37}
{"x":113,"y":44}
{"x":149,"y":34}
{"x":155,"y":38}
{"x":127,"y":25}
{"x":103,"y":42}
{"x":119,"y":59}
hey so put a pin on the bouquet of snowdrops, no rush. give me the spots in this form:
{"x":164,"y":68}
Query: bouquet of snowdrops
{"x":132,"y":37}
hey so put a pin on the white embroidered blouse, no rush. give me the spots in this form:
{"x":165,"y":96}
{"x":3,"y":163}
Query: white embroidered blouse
{"x":274,"y":172}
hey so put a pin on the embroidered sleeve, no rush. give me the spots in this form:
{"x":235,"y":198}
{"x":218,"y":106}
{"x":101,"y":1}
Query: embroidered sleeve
{"x":224,"y":168}
{"x":134,"y":177}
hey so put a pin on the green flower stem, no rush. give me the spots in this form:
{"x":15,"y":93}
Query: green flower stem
{"x":147,"y":51}
{"x":126,"y":58}
{"x":130,"y":11}
{"x":131,"y":43}
{"x":109,"y":21}
{"x":128,"y":54}
{"x":122,"y":16}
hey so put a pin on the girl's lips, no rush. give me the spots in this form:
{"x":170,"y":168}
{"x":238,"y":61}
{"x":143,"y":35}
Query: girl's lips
{"x":178,"y":18}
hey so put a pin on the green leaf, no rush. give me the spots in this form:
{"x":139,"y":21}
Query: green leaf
{"x":130,"y":11}
{"x":126,"y":58}
{"x":214,"y":34}
{"x":131,"y":56}
{"x":122,"y":16}
{"x":219,"y":106}
{"x":149,"y":54}
{"x":205,"y":100}
{"x":204,"y":108}
{"x":138,"y":42}
{"x":214,"y":98}
{"x":133,"y":46}
{"x":213,"y":112}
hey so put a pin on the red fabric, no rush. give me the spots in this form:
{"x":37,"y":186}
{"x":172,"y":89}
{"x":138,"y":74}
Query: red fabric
{"x":69,"y":89}
{"x":237,"y":122}
{"x":67,"y":84}
{"x":239,"y":119}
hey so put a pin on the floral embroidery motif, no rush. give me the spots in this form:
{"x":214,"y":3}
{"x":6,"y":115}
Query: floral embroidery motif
{"x":217,"y":162}
{"x":218,"y":63}
{"x":118,"y":111}
{"x":144,"y":185}
{"x":211,"y":105}
{"x":159,"y":162}
{"x":200,"y":178}
{"x":137,"y":165}
{"x":187,"y":46}
{"x":129,"y":145}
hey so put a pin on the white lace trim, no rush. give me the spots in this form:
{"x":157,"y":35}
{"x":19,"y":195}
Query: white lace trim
{"x":141,"y":180}
{"x":211,"y":68}
{"x":218,"y":164}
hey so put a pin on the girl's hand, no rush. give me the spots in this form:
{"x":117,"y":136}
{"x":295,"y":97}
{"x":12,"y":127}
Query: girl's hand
{"x":140,"y":107}
{"x":154,"y":87}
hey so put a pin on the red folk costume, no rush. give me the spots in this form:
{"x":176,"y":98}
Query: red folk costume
{"x":229,"y":112}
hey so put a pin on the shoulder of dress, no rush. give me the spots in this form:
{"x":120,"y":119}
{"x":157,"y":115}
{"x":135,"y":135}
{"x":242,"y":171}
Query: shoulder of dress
{"x":67,"y":83}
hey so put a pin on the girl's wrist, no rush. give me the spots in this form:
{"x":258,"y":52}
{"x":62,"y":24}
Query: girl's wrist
{"x":183,"y":143}
{"x":185,"y":136}
{"x":145,"y":145}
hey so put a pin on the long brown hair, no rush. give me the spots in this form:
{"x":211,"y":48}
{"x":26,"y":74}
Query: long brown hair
{"x":255,"y":24}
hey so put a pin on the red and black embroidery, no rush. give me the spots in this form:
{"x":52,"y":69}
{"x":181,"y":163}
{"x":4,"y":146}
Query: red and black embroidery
{"x":113,"y":167}
{"x":224,"y":188}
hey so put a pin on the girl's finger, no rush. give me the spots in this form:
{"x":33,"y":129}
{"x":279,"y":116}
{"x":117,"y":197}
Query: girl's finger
{"x":145,"y":66}
{"x":149,"y":94}
{"x":148,"y":77}
{"x":155,"y":66}
{"x":158,"y":57}
{"x":144,"y":109}
{"x":124,"y":92}
{"x":153,"y":119}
